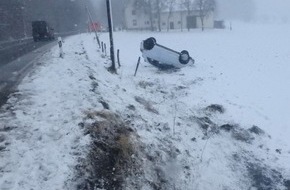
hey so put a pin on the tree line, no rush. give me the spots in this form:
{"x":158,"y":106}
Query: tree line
{"x":69,"y":15}
{"x":155,"y":8}
{"x":225,"y":9}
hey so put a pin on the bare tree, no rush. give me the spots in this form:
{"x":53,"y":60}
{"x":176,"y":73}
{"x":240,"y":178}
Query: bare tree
{"x":188,"y":5}
{"x":170,"y":5}
{"x":118,"y":12}
{"x":159,"y":6}
{"x":204,"y":8}
{"x":124,"y":5}
{"x":146,"y":7}
{"x":152,"y":7}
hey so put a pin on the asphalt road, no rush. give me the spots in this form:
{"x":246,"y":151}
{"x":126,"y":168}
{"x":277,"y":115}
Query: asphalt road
{"x":16,"y":61}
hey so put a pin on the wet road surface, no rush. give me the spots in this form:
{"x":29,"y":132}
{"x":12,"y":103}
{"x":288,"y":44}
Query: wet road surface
{"x":16,"y":61}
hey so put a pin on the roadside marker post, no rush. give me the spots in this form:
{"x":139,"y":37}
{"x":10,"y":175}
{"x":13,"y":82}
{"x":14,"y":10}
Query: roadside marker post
{"x":105,"y":49}
{"x":59,"y":41}
{"x":118,"y":57}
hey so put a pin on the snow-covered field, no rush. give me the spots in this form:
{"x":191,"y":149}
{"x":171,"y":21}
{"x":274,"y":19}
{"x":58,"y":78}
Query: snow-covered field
{"x":220,"y":124}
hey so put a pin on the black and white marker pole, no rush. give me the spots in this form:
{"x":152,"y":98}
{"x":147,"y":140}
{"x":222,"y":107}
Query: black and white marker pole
{"x":59,"y":41}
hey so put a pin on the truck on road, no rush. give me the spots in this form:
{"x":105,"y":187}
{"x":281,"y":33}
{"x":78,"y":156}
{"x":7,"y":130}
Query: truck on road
{"x":42,"y":31}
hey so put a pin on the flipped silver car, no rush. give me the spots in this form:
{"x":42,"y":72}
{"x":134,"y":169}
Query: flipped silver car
{"x":163,"y":57}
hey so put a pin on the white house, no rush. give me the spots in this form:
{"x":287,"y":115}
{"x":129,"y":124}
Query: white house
{"x":176,"y":19}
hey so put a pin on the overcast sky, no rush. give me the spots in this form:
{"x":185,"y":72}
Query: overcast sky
{"x":255,"y":10}
{"x":272,"y":10}
{"x":273,"y":6}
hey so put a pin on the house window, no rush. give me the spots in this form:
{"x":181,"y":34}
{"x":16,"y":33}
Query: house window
{"x":147,"y":22}
{"x":163,"y":23}
{"x":179,"y":22}
{"x":134,"y":22}
{"x":133,"y":12}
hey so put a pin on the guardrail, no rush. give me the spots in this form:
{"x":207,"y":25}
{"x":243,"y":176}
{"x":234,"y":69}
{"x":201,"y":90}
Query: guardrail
{"x":9,"y":43}
{"x":11,"y":50}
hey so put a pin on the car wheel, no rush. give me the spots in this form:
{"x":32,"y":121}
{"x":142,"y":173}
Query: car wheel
{"x":149,"y":43}
{"x":184,"y":57}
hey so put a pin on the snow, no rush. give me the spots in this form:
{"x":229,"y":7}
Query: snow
{"x":246,"y":70}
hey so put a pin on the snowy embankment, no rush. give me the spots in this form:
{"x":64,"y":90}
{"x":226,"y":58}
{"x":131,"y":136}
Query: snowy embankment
{"x":221,"y":124}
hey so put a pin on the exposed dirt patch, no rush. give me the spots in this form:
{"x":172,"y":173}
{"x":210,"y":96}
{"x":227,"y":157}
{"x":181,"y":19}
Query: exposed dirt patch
{"x":257,"y":130}
{"x":2,"y":138}
{"x":243,"y":135}
{"x":131,"y":107}
{"x":5,"y":93}
{"x":263,"y":177}
{"x":148,"y":105}
{"x":206,"y":124}
{"x":104,"y":104}
{"x":7,"y":128}
{"x":215,"y":108}
{"x":145,"y":84}
{"x":237,"y":132}
{"x":112,"y":157}
{"x":227,"y":127}
{"x":287,"y":184}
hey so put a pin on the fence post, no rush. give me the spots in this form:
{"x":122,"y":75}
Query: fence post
{"x":59,"y":41}
{"x":118,"y":57}
{"x":137,"y":66}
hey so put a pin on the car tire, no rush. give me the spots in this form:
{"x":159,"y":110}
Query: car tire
{"x":149,"y":43}
{"x":184,"y":57}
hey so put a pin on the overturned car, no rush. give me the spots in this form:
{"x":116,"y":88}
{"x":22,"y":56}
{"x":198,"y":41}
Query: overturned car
{"x":163,"y":57}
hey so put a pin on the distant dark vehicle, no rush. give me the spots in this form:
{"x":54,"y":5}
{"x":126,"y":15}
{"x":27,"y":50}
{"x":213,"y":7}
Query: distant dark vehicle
{"x":42,"y":31}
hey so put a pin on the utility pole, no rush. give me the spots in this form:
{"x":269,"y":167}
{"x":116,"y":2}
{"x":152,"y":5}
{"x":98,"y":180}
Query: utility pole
{"x":112,"y":54}
{"x":94,"y":27}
